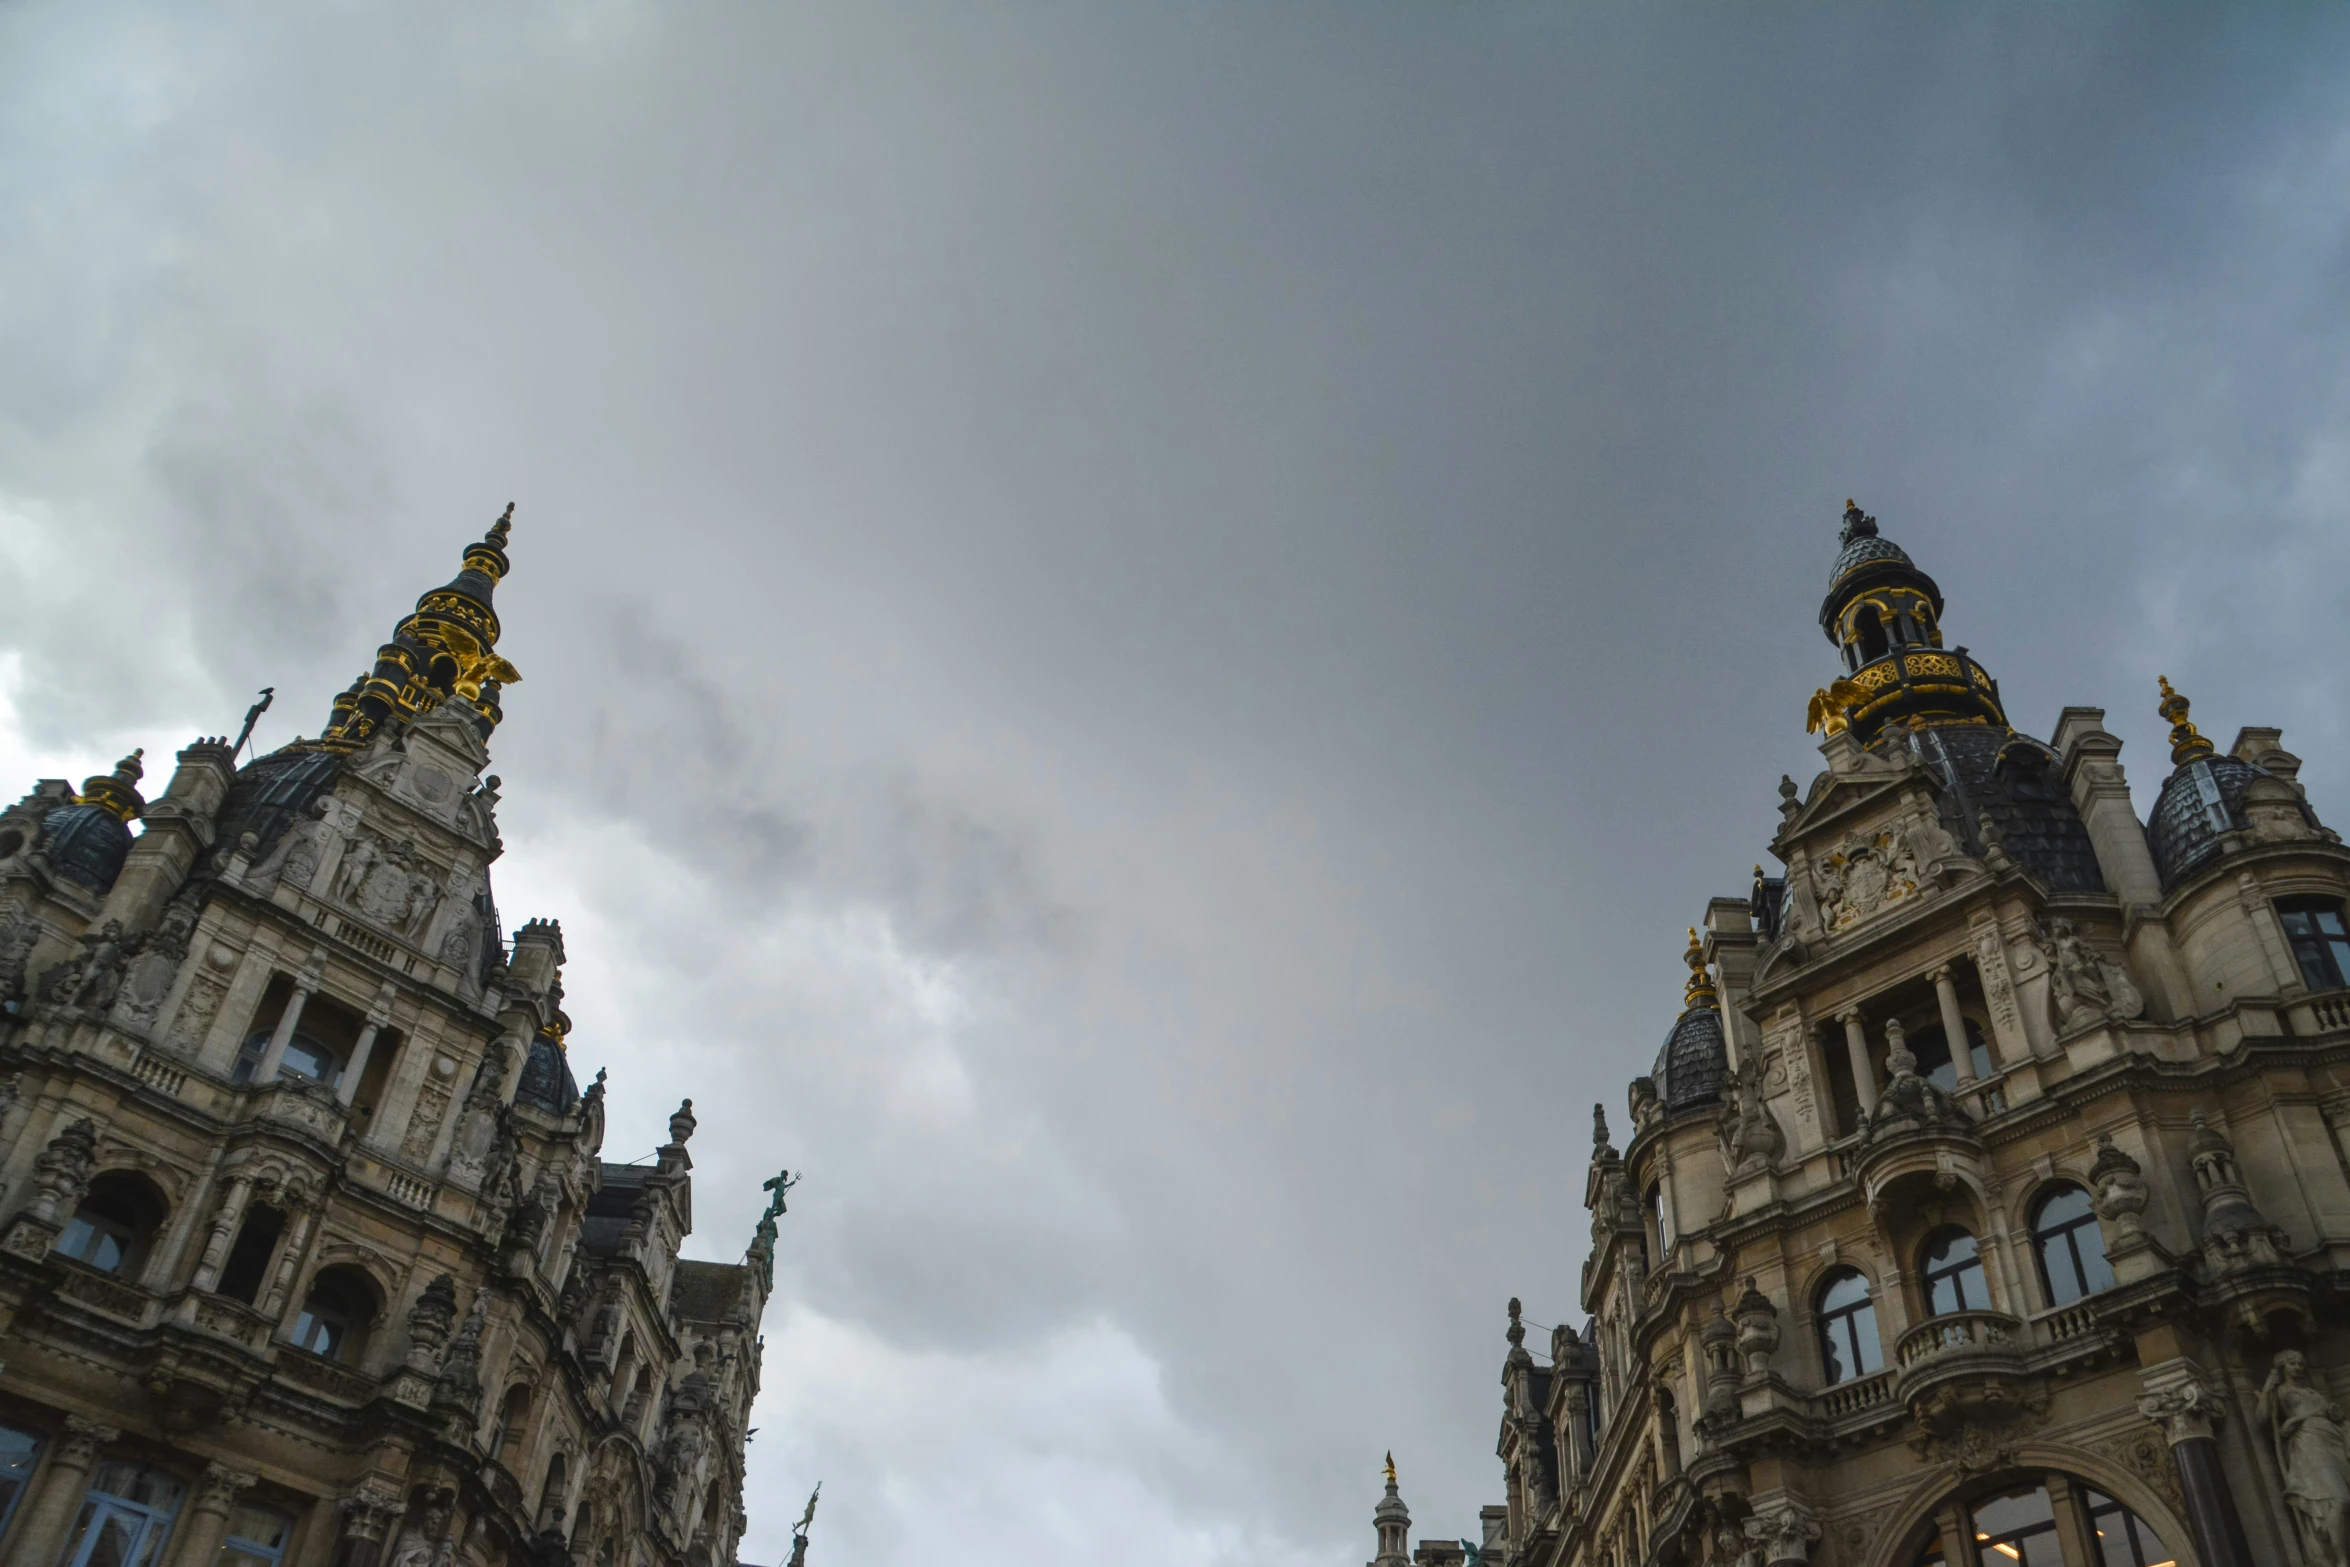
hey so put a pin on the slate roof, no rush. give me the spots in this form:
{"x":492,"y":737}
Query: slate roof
{"x":86,"y":844}
{"x":2014,"y":780}
{"x":706,"y":1291}
{"x":2181,"y":830}
{"x":1693,"y":1063}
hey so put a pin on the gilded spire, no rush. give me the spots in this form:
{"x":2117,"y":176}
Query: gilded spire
{"x":1700,"y":990}
{"x":1390,"y":1471}
{"x":2186,"y":744}
{"x":118,"y":791}
{"x":445,"y":650}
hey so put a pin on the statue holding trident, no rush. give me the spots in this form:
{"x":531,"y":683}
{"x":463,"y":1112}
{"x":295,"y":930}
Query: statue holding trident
{"x":763,"y":1243}
{"x":799,"y":1534}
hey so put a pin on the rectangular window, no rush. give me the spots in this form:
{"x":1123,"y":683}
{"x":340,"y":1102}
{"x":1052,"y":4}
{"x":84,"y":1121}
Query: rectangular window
{"x":2321,"y":945}
{"x":256,"y":1538}
{"x":19,"y":1452}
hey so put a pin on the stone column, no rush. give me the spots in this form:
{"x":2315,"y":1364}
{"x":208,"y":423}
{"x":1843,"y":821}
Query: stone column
{"x":275,"y":1056}
{"x":2187,"y":1408}
{"x":1962,"y":1055}
{"x":199,"y":1537}
{"x":369,"y":1512}
{"x":224,"y":1229}
{"x":273,"y":1302}
{"x":1864,"y":1076}
{"x":41,"y":1532}
{"x":349,"y":1087}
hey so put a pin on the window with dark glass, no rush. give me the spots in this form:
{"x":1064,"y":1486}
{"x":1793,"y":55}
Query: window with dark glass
{"x":256,"y":1538}
{"x":125,"y":1518}
{"x":20,"y":1451}
{"x":1848,"y":1328}
{"x":2321,"y":944}
{"x":334,"y":1315}
{"x":2017,"y":1527}
{"x":305,"y":1057}
{"x":2071,"y":1246}
{"x":2123,"y":1538}
{"x":1660,"y":1218}
{"x":1952,"y":1273}
{"x":249,"y":1258}
{"x":109,"y":1229}
{"x":1931,"y":1045}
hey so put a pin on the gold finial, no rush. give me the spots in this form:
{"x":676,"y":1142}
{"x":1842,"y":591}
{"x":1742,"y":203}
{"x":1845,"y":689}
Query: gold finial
{"x":1391,"y":1468}
{"x":2185,"y":744}
{"x":1850,"y":504}
{"x":503,"y":526}
{"x":1700,"y":990}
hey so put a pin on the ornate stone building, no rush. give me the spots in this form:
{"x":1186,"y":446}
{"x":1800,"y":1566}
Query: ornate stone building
{"x":1989,"y":1200}
{"x":308,"y":1253}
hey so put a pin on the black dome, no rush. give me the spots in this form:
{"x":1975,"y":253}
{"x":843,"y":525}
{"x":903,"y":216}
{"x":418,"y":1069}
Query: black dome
{"x":86,"y":844}
{"x":2182,"y":832}
{"x":1694,"y":1062}
{"x":271,"y":794}
{"x":547,"y":1083}
{"x":1863,"y":550}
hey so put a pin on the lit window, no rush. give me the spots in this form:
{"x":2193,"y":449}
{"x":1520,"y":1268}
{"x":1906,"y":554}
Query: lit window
{"x":2123,"y":1538}
{"x":2320,"y":944}
{"x":2071,"y":1247}
{"x":1848,"y":1329}
{"x":2018,"y":1527}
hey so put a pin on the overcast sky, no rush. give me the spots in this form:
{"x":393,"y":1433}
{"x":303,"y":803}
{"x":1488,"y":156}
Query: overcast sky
{"x":1142,"y":622}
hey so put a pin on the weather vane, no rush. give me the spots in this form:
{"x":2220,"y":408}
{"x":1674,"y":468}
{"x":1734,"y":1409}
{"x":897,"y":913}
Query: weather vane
{"x":253,"y":716}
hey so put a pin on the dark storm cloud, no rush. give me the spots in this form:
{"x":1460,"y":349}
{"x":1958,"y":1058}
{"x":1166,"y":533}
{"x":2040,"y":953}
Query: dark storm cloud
{"x":1142,"y":623}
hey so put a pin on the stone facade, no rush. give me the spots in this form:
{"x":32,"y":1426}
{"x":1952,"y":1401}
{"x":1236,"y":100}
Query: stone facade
{"x":308,"y":1253}
{"x":1989,"y":1202}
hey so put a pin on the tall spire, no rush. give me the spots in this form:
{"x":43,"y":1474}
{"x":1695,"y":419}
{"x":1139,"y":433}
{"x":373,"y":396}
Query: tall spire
{"x":445,"y":650}
{"x":1885,"y":617}
{"x":1393,"y":1520}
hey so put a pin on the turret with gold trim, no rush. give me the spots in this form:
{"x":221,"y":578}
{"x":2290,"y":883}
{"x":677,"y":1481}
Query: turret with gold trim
{"x":445,"y":650}
{"x":1885,"y":616}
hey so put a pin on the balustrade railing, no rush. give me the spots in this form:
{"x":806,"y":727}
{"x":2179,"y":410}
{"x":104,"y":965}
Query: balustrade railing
{"x":1850,"y":1398}
{"x":1955,"y":1333}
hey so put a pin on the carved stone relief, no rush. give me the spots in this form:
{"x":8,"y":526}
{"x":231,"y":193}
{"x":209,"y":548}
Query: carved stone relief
{"x":424,"y":1122}
{"x":1864,"y":873}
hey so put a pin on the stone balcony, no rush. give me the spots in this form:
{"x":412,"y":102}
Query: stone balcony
{"x":1964,"y":1366}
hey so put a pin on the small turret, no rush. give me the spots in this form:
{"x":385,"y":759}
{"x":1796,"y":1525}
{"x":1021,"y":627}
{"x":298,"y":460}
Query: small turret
{"x":1393,"y":1520}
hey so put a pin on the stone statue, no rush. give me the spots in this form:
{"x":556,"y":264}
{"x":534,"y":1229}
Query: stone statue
{"x":2083,"y":984}
{"x":2313,"y":1456}
{"x":424,"y":1542}
{"x":358,"y":860}
{"x":1750,"y":1135}
{"x":1909,"y":1101}
{"x":92,"y":979}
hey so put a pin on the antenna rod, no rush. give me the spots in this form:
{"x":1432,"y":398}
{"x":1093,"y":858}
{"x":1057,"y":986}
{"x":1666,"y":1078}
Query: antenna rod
{"x":252,"y":716}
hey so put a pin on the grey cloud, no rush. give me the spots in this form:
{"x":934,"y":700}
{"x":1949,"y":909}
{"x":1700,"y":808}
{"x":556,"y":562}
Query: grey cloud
{"x":1141,"y":625}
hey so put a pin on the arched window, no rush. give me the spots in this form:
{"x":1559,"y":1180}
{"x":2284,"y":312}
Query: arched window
{"x":2018,"y":1527}
{"x":20,"y":1454}
{"x":513,"y":1424}
{"x":1952,"y":1272}
{"x":2071,"y":1246}
{"x":110,"y":1230}
{"x":336,"y":1314}
{"x":1848,"y":1328}
{"x":1869,"y":627}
